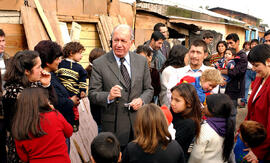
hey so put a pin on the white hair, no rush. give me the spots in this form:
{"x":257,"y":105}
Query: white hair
{"x":125,"y":26}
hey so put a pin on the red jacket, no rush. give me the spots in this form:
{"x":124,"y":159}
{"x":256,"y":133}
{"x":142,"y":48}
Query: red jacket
{"x":259,"y":110}
{"x":51,"y":147}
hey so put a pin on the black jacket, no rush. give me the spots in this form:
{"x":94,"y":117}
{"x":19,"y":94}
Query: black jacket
{"x":235,"y":88}
{"x":64,"y":104}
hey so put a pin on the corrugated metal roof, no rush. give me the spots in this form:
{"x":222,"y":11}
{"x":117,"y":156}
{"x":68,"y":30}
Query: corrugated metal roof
{"x":199,"y":10}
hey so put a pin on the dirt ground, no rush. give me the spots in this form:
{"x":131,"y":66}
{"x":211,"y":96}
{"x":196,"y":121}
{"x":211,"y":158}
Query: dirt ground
{"x":241,"y":115}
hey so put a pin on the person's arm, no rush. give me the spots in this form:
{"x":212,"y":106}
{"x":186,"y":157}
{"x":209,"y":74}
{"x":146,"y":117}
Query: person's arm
{"x":67,"y":128}
{"x":163,"y":92}
{"x":185,"y":132}
{"x":199,"y":147}
{"x":240,"y":67}
{"x":82,"y":79}
{"x":21,"y":151}
{"x":65,"y":103}
{"x":264,"y":148}
{"x":96,"y":93}
{"x":148,"y":90}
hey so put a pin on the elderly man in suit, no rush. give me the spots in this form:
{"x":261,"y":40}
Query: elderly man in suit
{"x":120,"y":85}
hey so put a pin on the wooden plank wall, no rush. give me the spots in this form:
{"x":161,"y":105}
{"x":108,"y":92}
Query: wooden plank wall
{"x":105,"y":29}
{"x":144,"y":27}
{"x":89,"y":38}
{"x":33,"y":26}
{"x":11,"y":4}
{"x":15,"y":38}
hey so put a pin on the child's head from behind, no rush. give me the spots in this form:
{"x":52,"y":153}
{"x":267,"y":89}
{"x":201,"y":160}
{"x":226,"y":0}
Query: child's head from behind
{"x":73,"y":50}
{"x":252,"y":133}
{"x":210,"y":79}
{"x":146,"y":52}
{"x":30,"y":103}
{"x":95,"y":53}
{"x":230,"y":53}
{"x":151,"y":128}
{"x":218,"y":105}
{"x":105,"y":148}
{"x":218,"y":109}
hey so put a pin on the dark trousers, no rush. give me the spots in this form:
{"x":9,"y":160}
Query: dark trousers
{"x":3,"y":152}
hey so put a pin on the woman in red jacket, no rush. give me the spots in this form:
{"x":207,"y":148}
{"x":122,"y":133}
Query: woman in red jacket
{"x":39,"y":130}
{"x":259,"y":100}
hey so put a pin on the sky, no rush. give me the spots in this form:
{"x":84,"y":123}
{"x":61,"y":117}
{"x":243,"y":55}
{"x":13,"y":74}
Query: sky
{"x":256,"y":8}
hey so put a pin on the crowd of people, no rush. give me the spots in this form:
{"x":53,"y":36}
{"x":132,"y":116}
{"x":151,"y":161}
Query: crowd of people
{"x":156,"y":104}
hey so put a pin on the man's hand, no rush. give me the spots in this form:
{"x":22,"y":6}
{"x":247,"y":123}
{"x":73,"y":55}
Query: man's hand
{"x":250,"y":157}
{"x":136,"y":103}
{"x":82,"y":95}
{"x":224,"y":71}
{"x":115,"y":92}
{"x":224,"y":83}
{"x":45,"y":78}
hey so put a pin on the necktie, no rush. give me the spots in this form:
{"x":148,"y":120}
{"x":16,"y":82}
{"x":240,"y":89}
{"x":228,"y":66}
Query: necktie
{"x":124,"y":73}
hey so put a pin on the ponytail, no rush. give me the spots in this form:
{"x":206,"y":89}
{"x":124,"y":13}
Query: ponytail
{"x":228,"y":139}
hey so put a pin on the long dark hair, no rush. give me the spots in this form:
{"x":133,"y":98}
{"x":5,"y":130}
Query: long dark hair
{"x":220,"y":105}
{"x":23,"y":60}
{"x":221,"y":42}
{"x":193,"y":111}
{"x":26,"y":123}
{"x":151,"y":128}
{"x":176,"y":57}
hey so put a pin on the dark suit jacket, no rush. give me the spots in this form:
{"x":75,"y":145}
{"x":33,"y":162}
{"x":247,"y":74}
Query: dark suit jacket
{"x":115,"y":117}
{"x":166,"y":47}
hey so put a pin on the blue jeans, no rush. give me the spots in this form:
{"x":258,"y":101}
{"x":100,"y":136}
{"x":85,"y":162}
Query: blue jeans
{"x":249,"y":77}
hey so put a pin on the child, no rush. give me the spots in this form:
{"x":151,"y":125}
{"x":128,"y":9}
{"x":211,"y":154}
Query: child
{"x":204,"y":84}
{"x":94,"y":54}
{"x":105,"y":148}
{"x":186,"y":110}
{"x":155,"y":76}
{"x":153,"y":141}
{"x":40,"y":130}
{"x":227,"y":62}
{"x":95,"y":110}
{"x":72,"y":75}
{"x":216,"y":138}
{"x":251,"y":135}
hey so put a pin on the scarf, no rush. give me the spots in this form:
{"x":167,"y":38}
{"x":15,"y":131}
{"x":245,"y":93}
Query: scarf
{"x":218,"y":124}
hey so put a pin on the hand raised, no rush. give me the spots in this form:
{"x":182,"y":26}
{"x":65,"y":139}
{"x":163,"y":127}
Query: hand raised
{"x":115,"y":92}
{"x":45,"y":78}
